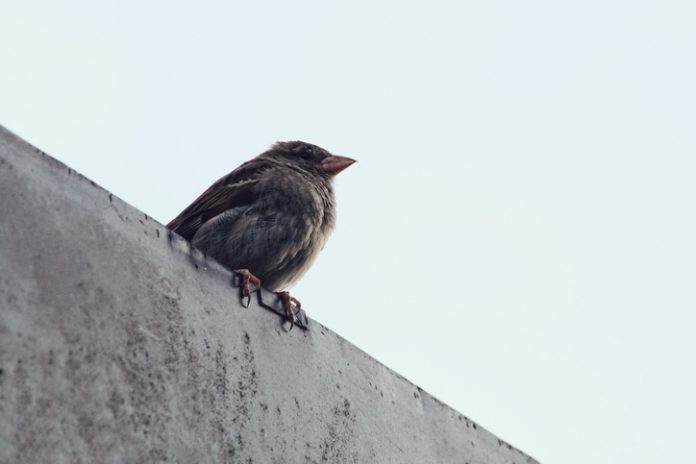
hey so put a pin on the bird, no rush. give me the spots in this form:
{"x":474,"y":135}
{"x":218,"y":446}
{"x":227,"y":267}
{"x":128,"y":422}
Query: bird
{"x":269,"y":218}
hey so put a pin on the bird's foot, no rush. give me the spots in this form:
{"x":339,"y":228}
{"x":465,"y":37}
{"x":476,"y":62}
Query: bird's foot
{"x":288,"y":301}
{"x":247,"y":277}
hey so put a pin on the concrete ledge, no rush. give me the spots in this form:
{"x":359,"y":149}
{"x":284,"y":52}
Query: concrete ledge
{"x":118,"y":344}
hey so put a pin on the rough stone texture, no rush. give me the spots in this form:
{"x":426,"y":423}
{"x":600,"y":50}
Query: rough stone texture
{"x":120,"y":344}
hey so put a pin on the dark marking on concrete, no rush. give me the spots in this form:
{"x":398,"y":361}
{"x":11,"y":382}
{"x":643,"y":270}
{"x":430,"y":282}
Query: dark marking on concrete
{"x":336,"y":445}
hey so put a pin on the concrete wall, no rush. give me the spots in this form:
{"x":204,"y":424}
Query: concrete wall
{"x":119,"y":344}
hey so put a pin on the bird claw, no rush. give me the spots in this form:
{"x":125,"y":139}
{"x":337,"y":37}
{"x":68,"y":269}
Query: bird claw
{"x":288,"y":301}
{"x":247,"y":277}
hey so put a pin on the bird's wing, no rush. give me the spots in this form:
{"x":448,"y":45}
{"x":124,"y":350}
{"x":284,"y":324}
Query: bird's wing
{"x":235,"y":189}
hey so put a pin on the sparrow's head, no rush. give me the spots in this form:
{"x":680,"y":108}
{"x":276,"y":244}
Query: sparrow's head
{"x":310,"y":157}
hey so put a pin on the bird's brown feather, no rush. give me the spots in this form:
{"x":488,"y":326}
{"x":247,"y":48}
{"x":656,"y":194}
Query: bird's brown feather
{"x":233,"y":190}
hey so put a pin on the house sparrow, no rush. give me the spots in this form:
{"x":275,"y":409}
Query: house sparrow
{"x":268,"y":219}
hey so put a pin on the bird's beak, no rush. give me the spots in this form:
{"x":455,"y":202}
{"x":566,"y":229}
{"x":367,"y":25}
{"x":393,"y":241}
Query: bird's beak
{"x":335,"y":164}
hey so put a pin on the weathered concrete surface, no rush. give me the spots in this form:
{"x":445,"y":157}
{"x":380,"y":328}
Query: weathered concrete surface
{"x":120,"y":345}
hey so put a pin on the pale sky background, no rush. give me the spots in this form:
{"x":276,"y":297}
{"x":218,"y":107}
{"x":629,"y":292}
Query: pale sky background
{"x":519,"y":236}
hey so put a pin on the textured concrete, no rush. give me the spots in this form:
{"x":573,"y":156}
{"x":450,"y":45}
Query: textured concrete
{"x":119,"y":344}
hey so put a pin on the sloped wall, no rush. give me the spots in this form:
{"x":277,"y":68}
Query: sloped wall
{"x":119,"y":344}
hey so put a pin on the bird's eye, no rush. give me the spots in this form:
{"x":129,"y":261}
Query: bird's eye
{"x":307,"y":153}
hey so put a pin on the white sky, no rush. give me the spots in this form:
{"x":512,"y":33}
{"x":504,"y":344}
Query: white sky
{"x":518,"y":237}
